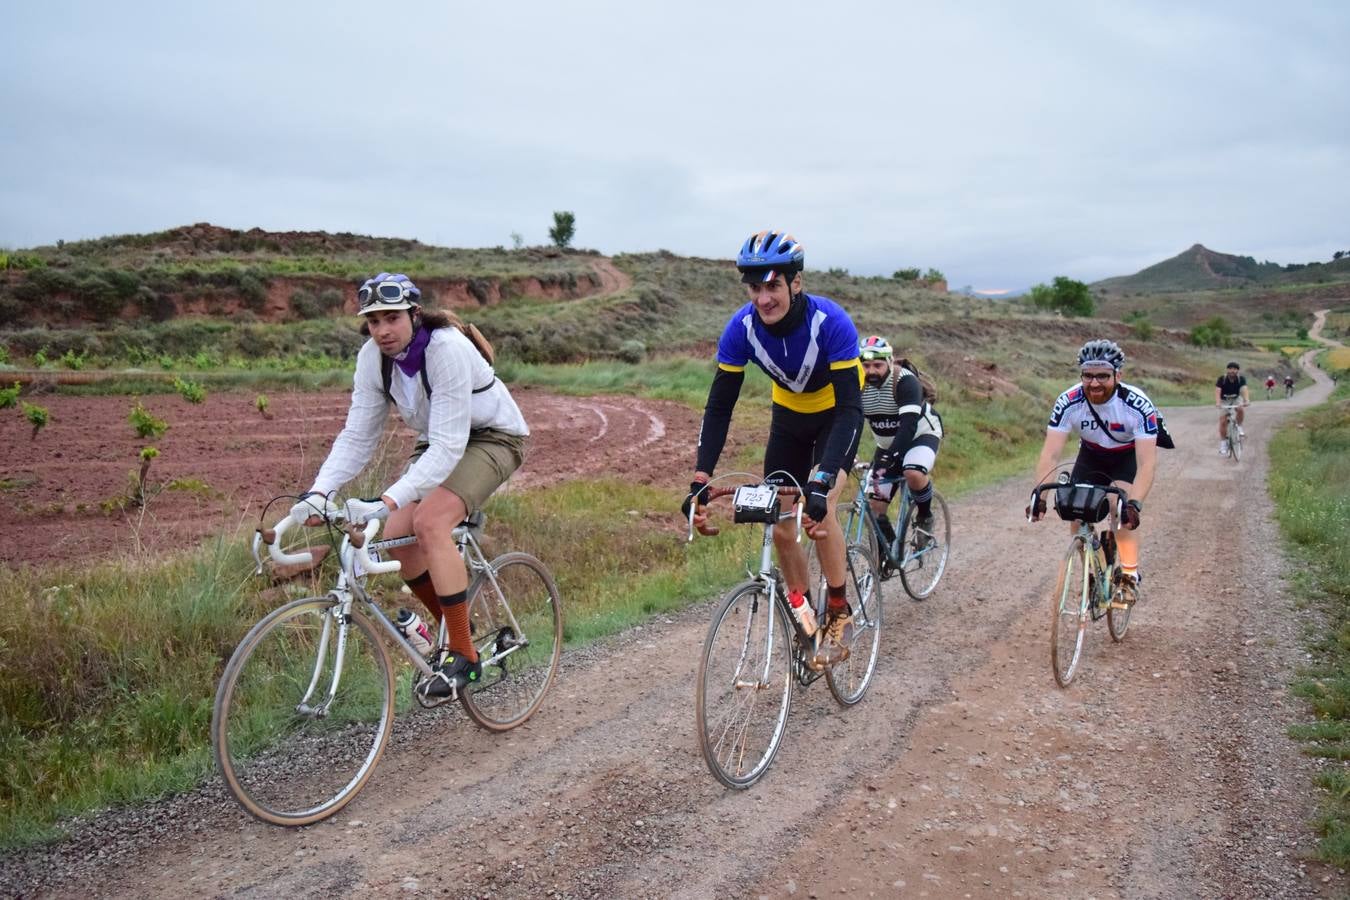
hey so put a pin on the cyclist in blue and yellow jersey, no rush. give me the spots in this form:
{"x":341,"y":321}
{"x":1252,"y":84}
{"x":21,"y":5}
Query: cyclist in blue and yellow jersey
{"x":808,"y":347}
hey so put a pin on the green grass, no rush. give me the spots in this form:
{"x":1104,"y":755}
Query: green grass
{"x":1311,"y":488}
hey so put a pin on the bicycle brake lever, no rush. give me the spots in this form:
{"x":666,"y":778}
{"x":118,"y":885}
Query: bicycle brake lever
{"x":257,"y":552}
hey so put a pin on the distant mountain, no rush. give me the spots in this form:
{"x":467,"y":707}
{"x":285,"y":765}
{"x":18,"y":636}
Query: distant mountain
{"x":1199,"y":269}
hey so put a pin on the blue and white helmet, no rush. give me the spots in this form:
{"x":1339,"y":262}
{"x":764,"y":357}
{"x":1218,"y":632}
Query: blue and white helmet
{"x":1101,"y":352}
{"x":768,"y":253}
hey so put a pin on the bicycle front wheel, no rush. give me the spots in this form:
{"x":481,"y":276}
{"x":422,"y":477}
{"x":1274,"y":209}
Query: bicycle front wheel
{"x":515,"y":616}
{"x":1069,"y":609}
{"x":925,"y":550}
{"x":744,"y":686}
{"x":849,"y":679}
{"x":1118,"y":619}
{"x":1235,"y":443}
{"x":303,"y":712}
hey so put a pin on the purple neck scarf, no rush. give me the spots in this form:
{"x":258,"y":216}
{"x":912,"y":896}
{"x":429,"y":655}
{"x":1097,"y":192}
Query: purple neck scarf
{"x":410,"y":360}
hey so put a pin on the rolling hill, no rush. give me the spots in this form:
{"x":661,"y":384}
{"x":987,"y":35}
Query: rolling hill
{"x":1200,"y":269}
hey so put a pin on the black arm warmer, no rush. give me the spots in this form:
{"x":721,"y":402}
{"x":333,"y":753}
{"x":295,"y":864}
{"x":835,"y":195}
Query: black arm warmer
{"x":722,"y":396}
{"x":848,"y":419}
{"x":908,"y":392}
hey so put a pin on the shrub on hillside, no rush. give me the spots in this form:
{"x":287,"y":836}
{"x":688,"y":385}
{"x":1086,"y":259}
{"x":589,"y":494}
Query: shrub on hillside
{"x":1070,"y":297}
{"x":910,"y":274}
{"x":1215,"y":332}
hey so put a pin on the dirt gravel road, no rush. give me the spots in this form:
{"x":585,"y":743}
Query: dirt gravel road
{"x":1163,"y":771}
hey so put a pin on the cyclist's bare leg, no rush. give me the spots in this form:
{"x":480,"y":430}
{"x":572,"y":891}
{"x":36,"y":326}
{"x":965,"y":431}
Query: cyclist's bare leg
{"x":433,"y":521}
{"x":830,"y":547}
{"x":1241,"y":411}
{"x":1223,"y":425}
{"x":414,"y":571}
{"x":1127,"y":540}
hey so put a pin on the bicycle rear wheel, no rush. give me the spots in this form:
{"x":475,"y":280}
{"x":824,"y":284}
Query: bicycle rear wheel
{"x":517,"y":626}
{"x":303,"y":712}
{"x":926,"y":551}
{"x":1069,"y":612}
{"x":849,"y":679}
{"x":743,"y":691}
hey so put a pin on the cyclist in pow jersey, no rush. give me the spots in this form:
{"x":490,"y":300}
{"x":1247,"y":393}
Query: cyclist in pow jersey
{"x":1230,"y":390}
{"x":471,"y":437}
{"x":1117,"y":425}
{"x":808,"y":347}
{"x":908,"y":432}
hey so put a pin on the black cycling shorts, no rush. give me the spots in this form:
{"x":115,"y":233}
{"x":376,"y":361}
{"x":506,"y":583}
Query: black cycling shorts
{"x":1103,"y":467}
{"x":797,"y":443}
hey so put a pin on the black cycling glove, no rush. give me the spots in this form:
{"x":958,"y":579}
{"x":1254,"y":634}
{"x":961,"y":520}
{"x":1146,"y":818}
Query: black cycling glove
{"x":816,"y":492}
{"x":1130,"y":515}
{"x":697,"y":489}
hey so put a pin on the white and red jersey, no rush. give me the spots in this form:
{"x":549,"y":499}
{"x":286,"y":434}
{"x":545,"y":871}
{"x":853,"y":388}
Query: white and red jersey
{"x":1128,"y":416}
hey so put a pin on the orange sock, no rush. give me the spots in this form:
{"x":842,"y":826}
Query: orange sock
{"x":425,"y":591}
{"x":457,"y":627}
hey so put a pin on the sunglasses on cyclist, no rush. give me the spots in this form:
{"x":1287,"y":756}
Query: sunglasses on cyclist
{"x":385,"y":292}
{"x":1103,"y":377}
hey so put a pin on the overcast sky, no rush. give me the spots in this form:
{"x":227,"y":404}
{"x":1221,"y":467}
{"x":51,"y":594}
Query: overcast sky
{"x":1003,"y":143}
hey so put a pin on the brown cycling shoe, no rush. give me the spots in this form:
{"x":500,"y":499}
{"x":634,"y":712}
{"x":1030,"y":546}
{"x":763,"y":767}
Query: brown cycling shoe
{"x":838,"y":634}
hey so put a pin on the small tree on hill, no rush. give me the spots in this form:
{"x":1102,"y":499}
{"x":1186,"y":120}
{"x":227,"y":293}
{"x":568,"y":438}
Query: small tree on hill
{"x":1066,"y":295}
{"x":563,"y":230}
{"x":910,"y":274}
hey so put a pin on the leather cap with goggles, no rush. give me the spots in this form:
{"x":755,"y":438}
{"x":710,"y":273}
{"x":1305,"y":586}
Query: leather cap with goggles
{"x":387,"y":292}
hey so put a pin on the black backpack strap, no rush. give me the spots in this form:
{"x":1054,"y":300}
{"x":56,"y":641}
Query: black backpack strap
{"x":387,"y":376}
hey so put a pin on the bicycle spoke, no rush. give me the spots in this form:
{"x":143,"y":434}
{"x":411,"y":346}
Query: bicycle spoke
{"x":516,"y":619}
{"x":303,"y":712}
{"x":744,"y":686}
{"x":1069,"y":614}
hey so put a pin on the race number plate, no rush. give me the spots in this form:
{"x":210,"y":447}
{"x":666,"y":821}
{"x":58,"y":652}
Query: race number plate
{"x":756,"y":503}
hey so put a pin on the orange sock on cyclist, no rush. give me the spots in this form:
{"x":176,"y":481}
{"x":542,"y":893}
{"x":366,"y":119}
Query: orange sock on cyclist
{"x":457,"y":626}
{"x":425,"y":591}
{"x":835,"y":598}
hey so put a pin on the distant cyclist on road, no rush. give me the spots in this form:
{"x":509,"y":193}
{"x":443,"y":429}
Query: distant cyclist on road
{"x":471,"y":437}
{"x":908,"y":432}
{"x":1230,"y":390}
{"x":1288,"y":386}
{"x":1117,"y":425}
{"x":1270,"y":385}
{"x":808,"y":346}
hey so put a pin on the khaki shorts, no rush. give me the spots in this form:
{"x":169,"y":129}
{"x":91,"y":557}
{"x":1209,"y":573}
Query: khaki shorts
{"x":489,"y":459}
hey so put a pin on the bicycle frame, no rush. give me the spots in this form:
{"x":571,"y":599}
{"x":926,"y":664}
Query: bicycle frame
{"x":357,"y":562}
{"x":860,"y":512}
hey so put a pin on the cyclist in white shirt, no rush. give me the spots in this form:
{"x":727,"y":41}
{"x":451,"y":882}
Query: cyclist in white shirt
{"x":470,"y":438}
{"x":1117,"y":426}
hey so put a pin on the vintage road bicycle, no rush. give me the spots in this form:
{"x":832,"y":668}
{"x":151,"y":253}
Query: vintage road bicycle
{"x":755,"y":651}
{"x":918,"y":556}
{"x":1235,"y":435}
{"x":1090,"y":583}
{"x":306,"y":703}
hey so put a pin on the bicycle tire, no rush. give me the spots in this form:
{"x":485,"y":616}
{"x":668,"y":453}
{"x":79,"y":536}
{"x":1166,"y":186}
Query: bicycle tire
{"x":292,"y":768}
{"x":848,"y":680}
{"x":747,"y":656}
{"x":511,"y":690}
{"x":1235,"y":445}
{"x":1069,"y":613}
{"x":1118,"y":620}
{"x":921,"y":572}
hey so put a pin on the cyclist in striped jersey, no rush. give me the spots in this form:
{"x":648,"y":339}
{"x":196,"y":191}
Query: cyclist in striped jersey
{"x":908,"y":432}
